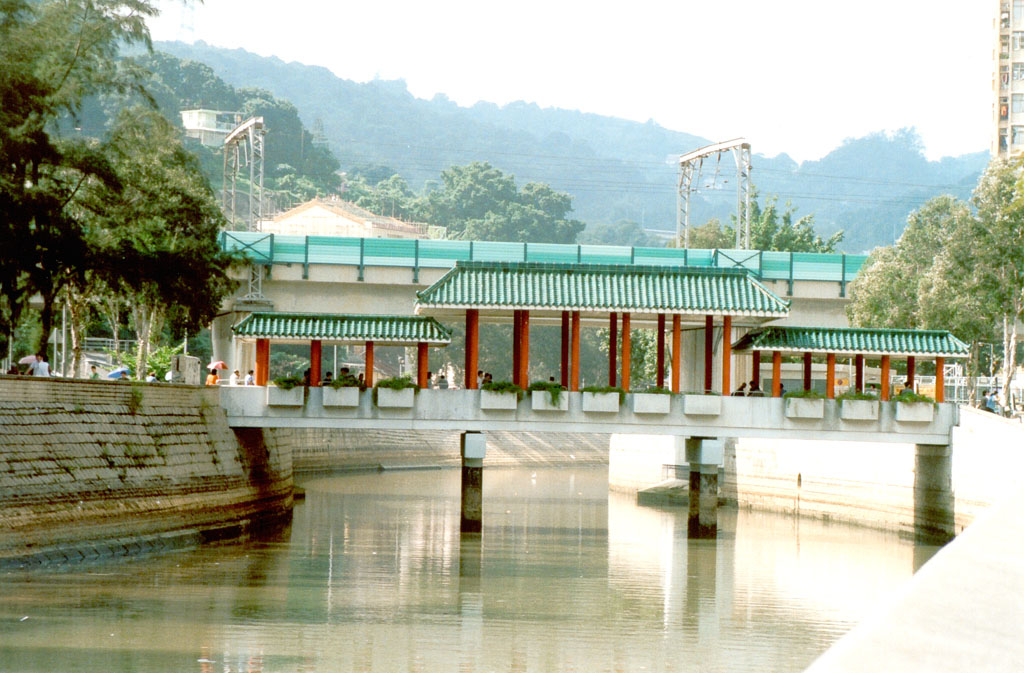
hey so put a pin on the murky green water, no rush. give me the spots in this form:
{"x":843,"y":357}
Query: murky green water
{"x":372,"y":576}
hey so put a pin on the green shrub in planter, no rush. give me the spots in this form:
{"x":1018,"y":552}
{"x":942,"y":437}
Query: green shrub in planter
{"x":852,"y":394}
{"x":606,"y":389}
{"x":396,"y":383}
{"x":655,"y":390}
{"x":554,"y":389}
{"x":347,"y":381}
{"x":909,"y":396}
{"x":804,"y":395}
{"x":287,"y":382}
{"x":503,"y":388}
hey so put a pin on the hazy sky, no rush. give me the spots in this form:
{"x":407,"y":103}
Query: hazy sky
{"x":795,"y":76}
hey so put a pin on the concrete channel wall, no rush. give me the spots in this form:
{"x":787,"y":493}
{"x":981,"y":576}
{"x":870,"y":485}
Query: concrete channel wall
{"x":348,"y":449}
{"x":91,"y":468}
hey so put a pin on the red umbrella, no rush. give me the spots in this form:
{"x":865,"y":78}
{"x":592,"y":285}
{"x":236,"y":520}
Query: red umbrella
{"x":219,"y":364}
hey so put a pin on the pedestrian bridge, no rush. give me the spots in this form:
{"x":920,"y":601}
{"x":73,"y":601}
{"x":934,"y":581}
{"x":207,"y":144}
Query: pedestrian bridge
{"x":656,"y":414}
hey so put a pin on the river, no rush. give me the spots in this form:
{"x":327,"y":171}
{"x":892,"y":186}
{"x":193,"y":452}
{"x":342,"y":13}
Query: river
{"x":372,"y":576}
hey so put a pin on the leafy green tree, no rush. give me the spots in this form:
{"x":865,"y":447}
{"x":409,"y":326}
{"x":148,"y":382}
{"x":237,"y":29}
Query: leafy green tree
{"x":158,"y":234}
{"x":928,"y":280}
{"x":994,"y":257}
{"x":390,"y":196}
{"x":479,"y":202}
{"x":54,"y":55}
{"x":770,"y":229}
{"x":621,"y":232}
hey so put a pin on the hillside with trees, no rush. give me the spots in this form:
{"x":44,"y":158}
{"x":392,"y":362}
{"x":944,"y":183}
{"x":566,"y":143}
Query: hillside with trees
{"x":617,"y":171}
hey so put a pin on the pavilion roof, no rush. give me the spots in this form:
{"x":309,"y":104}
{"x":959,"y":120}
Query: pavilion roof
{"x":540,"y":286}
{"x":854,"y":341}
{"x":395,"y":330}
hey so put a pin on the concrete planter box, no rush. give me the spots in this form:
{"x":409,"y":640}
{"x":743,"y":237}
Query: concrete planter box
{"x":498,"y":401}
{"x":388,"y":398}
{"x":341,"y":397}
{"x":915,"y":412}
{"x":702,"y":405}
{"x":651,"y":403}
{"x":802,"y":407}
{"x":279,"y":397}
{"x":540,"y":400}
{"x":606,"y":403}
{"x":858,"y":410}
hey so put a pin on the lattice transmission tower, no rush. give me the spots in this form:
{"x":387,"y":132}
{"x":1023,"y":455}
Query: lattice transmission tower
{"x":691,"y":166}
{"x":244,"y":148}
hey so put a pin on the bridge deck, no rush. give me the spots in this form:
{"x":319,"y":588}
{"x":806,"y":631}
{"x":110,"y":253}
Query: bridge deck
{"x":688,"y":415}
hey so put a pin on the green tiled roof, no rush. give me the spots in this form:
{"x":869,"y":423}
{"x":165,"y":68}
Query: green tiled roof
{"x":602,"y":287}
{"x":382,"y":329}
{"x":853,"y":341}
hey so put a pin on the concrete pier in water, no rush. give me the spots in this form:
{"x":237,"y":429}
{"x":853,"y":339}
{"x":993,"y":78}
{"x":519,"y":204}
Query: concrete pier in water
{"x":474,"y":448}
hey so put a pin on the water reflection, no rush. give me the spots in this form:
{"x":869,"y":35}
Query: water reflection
{"x":374,"y":576}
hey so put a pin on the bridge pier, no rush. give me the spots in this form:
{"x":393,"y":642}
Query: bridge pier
{"x":474,"y":446}
{"x":702,"y":522}
{"x":933,"y":493}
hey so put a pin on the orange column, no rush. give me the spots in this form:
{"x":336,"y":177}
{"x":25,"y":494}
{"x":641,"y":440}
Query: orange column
{"x":262,"y":361}
{"x":472,"y":346}
{"x":422,"y":364}
{"x":524,"y":348}
{"x":830,"y":376}
{"x":727,"y":355}
{"x":677,"y":358}
{"x":661,"y":350}
{"x":613,"y":346}
{"x":516,"y":353}
{"x":315,"y":353}
{"x":574,"y":380}
{"x":858,"y":370}
{"x":940,"y":380}
{"x":368,"y":374}
{"x":807,"y":371}
{"x":627,"y":344}
{"x":911,"y":367}
{"x":755,"y":377}
{"x":885,"y":378}
{"x":565,"y":349}
{"x":709,"y":345}
{"x":776,"y":374}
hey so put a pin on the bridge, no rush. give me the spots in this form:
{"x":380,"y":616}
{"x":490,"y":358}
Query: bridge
{"x":638,"y":413}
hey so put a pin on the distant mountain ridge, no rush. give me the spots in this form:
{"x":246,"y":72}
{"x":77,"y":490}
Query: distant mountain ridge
{"x":614,"y":168}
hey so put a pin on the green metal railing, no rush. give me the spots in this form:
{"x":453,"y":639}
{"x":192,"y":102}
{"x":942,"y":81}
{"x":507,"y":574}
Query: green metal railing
{"x":417,"y":254}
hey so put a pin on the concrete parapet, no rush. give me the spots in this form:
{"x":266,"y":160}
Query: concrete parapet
{"x":461,"y":410}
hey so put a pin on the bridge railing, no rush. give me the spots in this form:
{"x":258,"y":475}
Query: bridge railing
{"x":685,"y":415}
{"x":419,"y":254}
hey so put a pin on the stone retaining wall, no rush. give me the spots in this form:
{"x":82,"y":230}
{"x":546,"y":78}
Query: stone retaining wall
{"x":98,"y":467}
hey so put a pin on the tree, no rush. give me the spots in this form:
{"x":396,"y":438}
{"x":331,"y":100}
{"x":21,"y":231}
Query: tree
{"x":928,"y":280}
{"x":479,"y":202}
{"x":770,"y":229}
{"x":54,"y":55}
{"x":621,"y":232}
{"x":995,"y":258}
{"x":156,"y":237}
